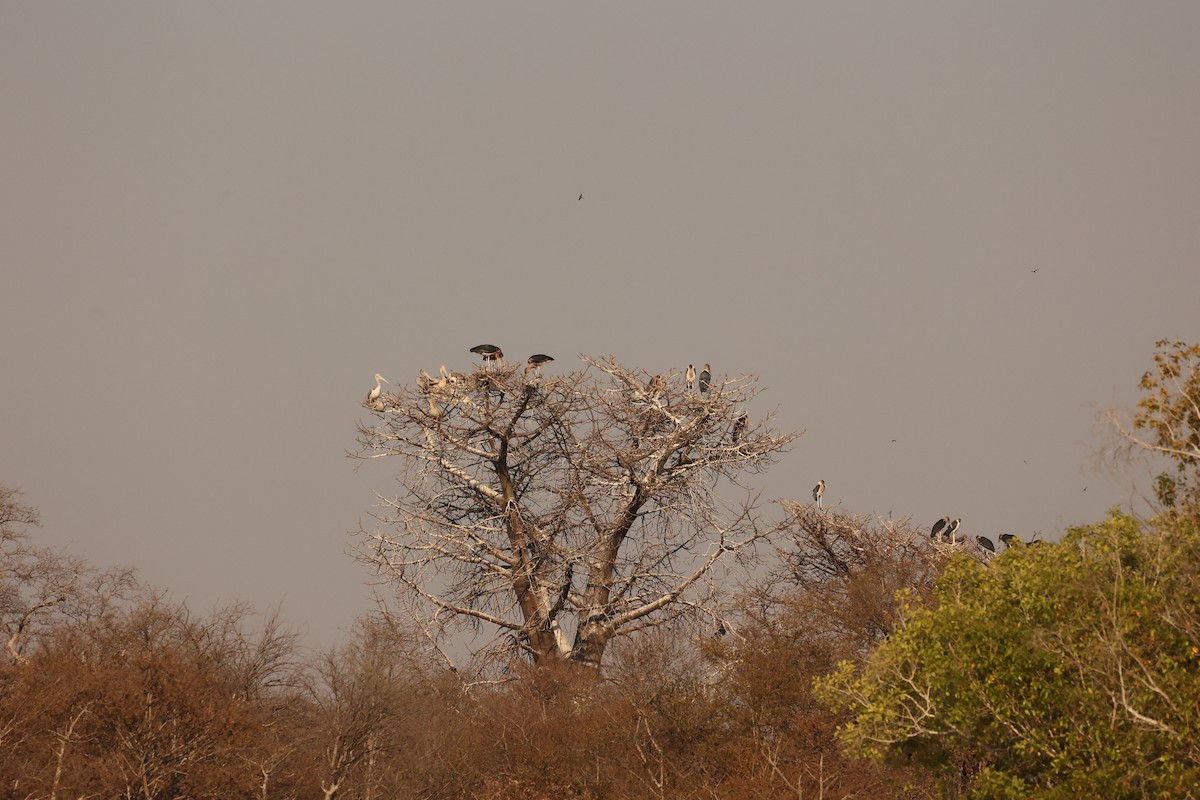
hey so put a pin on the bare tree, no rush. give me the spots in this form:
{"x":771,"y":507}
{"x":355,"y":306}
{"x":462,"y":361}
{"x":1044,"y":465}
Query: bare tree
{"x":371,"y":703}
{"x":563,"y":512}
{"x":38,"y":584}
{"x":847,"y":569}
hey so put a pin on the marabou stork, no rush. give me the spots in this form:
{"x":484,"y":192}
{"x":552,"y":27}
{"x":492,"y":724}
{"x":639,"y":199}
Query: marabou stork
{"x":489,"y":352}
{"x":1007,"y":538}
{"x":937,"y":527}
{"x":818,"y":491}
{"x":705,"y":380}
{"x":986,"y":543}
{"x":536,"y":360}
{"x":951,"y":528}
{"x":690,"y":375}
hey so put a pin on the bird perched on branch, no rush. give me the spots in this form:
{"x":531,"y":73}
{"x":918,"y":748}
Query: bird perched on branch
{"x":818,"y":491}
{"x":489,"y":352}
{"x":937,"y":527}
{"x":986,"y":543}
{"x":425,"y":381}
{"x":739,"y":426}
{"x":690,"y":375}
{"x":1007,"y":538}
{"x":951,"y":528}
{"x":535,"y":361}
{"x":373,"y":395}
{"x":656,"y":385}
{"x":705,"y":380}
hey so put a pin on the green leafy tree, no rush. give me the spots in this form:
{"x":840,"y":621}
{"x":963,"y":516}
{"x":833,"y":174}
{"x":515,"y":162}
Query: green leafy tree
{"x":1167,"y":421}
{"x":1068,"y":670}
{"x":1171,"y":408}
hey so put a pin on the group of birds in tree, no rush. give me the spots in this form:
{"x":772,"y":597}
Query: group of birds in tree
{"x":658,"y":383}
{"x":945,"y":527}
{"x":705,"y":385}
{"x":489,"y":352}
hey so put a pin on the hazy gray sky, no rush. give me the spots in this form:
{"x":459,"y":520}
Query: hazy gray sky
{"x":218,"y":220}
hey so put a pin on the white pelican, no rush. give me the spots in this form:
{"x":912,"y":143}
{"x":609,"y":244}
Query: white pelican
{"x":374,"y":393}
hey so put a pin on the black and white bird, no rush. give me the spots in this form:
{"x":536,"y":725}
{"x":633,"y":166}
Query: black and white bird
{"x":535,"y":361}
{"x":656,"y":385}
{"x":818,"y":492}
{"x":951,"y":528}
{"x":938,"y":526}
{"x":373,"y":395}
{"x":489,"y":352}
{"x":1008,"y":538}
{"x":690,"y":375}
{"x":705,"y":380}
{"x":739,"y":426}
{"x":986,"y":543}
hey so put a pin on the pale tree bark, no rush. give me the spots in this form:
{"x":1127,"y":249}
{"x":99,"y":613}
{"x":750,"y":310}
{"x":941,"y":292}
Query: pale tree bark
{"x":65,"y":737}
{"x":360,"y":695}
{"x":566,"y":511}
